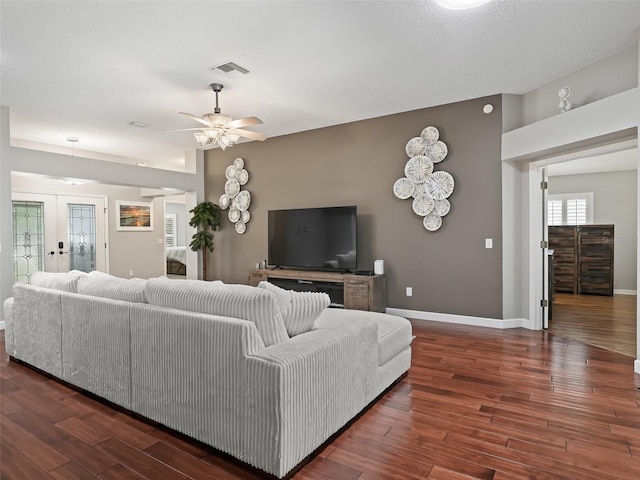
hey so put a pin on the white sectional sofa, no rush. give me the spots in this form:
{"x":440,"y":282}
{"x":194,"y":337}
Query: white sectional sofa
{"x":262,"y":374}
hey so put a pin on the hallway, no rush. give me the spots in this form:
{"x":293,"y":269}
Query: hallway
{"x":607,"y":322}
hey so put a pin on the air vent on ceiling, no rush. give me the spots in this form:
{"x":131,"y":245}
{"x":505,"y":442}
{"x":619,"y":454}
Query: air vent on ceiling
{"x":230,"y":67}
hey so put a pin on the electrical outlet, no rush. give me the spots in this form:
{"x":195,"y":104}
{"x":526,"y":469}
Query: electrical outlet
{"x":488,"y":243}
{"x":131,"y":273}
{"x":409,"y":291}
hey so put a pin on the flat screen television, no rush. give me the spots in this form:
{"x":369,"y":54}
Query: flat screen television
{"x":313,"y":238}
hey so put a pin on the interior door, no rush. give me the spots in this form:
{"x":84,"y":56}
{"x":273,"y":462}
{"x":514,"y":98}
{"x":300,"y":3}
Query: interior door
{"x":547,"y":292}
{"x":55,"y":233}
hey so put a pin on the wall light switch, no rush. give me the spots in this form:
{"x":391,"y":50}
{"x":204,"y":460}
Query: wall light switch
{"x":488,"y":243}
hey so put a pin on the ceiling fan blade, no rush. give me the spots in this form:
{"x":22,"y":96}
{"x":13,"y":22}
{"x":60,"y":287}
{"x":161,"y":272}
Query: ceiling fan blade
{"x":197,"y":129}
{"x":248,"y":134}
{"x":197,"y":119}
{"x":245,"y":122}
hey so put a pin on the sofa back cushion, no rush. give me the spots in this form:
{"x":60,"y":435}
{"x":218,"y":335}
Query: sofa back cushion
{"x":101,"y":284}
{"x":238,"y":301}
{"x":299,"y":309}
{"x":65,"y":281}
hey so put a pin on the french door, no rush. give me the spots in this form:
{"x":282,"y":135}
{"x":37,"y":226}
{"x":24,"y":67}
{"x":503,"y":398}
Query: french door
{"x":57,"y":233}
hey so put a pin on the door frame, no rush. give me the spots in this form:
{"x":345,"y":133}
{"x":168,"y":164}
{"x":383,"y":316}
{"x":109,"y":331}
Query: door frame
{"x":104,"y":198}
{"x":537,"y":209}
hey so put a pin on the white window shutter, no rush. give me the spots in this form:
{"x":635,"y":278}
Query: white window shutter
{"x":570,"y":209}
{"x":170,"y":230}
{"x":576,"y":211}
{"x":554,"y":212}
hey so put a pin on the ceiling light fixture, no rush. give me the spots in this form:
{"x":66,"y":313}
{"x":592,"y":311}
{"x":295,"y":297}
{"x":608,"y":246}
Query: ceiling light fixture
{"x":72,"y":141}
{"x":219,"y":129}
{"x":460,"y":4}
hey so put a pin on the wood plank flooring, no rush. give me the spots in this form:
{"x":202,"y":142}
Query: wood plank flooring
{"x":477,"y":404}
{"x":604,"y":321}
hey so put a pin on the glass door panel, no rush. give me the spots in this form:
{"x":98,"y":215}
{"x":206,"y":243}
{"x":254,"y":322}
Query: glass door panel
{"x":81,"y":237}
{"x":54,"y":233}
{"x":28,"y":239}
{"x":79,"y":229}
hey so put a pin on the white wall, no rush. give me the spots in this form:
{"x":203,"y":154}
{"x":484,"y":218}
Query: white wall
{"x":54,"y":165}
{"x":603,"y":79}
{"x":615,"y":202}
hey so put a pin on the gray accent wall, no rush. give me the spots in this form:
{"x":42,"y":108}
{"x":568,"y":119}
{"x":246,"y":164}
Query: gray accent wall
{"x":615,"y":202}
{"x":357,"y":163}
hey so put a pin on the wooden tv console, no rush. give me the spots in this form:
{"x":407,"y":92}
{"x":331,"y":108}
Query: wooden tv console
{"x":358,"y":292}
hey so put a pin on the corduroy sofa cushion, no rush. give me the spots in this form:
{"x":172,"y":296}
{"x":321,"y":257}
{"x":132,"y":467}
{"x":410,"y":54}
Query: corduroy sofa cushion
{"x":65,"y":281}
{"x":101,"y":284}
{"x":216,"y":298}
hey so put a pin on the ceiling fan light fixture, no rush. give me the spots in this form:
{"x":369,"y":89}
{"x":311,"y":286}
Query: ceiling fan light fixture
{"x":217,"y":119}
{"x":202,"y":138}
{"x":220,"y":129}
{"x":223,"y":141}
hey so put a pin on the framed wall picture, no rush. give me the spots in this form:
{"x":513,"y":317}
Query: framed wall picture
{"x":134,"y":216}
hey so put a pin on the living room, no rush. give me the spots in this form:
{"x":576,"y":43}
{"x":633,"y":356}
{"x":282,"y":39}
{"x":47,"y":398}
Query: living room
{"x":453,"y":276}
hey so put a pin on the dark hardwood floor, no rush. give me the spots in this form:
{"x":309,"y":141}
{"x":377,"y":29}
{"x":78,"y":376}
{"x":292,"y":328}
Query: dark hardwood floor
{"x":476,"y":404}
{"x":604,"y":321}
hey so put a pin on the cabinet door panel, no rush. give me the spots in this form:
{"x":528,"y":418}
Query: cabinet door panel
{"x":595,"y":259}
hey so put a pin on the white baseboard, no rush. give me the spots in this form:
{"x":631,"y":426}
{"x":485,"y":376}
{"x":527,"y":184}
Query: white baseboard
{"x":620,"y":291}
{"x":636,"y":365}
{"x":2,"y":325}
{"x":461,"y":319}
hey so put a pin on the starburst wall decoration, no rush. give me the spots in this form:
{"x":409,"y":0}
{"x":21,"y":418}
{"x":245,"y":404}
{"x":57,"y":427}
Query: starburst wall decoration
{"x":429,"y":189}
{"x":234,"y":198}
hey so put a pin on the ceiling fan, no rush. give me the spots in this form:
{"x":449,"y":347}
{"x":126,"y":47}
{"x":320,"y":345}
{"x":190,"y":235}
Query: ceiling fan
{"x":219,"y":129}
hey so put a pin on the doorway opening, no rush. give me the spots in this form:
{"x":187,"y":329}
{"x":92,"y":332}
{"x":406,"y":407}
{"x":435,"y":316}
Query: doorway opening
{"x":57,"y":233}
{"x":592,"y":213}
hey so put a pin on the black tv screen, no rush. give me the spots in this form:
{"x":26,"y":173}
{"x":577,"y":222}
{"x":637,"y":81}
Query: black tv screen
{"x":313,"y":238}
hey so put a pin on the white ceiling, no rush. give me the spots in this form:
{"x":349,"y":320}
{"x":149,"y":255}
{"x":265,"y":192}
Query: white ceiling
{"x":611,"y":162}
{"x":87,"y":69}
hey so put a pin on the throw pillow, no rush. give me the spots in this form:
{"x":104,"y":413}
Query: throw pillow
{"x":65,"y":281}
{"x":100,"y":284}
{"x":299,"y":309}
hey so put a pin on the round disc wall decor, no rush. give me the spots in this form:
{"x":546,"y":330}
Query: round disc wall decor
{"x":415,"y":146}
{"x":234,"y":198}
{"x":428,"y":188}
{"x":403,"y":188}
{"x":439,"y":185}
{"x":418,"y":169}
{"x":430,"y":135}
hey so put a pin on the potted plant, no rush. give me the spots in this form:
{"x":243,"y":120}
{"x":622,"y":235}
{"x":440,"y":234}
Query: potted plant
{"x":206,"y":218}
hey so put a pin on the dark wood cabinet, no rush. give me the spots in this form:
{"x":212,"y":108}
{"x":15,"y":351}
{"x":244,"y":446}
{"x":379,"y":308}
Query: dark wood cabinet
{"x":355,"y":292}
{"x":595,"y":261}
{"x":563,"y":240}
{"x":583,"y":258}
